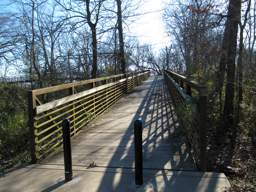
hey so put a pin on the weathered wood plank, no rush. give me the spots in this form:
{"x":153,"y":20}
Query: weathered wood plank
{"x":70,"y":85}
{"x":184,"y":79}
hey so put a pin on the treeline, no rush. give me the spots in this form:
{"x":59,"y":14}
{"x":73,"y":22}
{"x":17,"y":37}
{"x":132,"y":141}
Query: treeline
{"x":214,"y":43}
{"x":53,"y":39}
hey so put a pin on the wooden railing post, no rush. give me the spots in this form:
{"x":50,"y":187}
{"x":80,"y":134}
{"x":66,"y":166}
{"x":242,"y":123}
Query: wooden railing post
{"x":31,"y":114}
{"x":132,"y":80}
{"x":94,"y":100}
{"x":136,"y":79}
{"x":203,"y":127}
{"x":181,"y":84}
{"x":126,"y":83}
{"x":73,"y":118}
{"x":188,"y":90}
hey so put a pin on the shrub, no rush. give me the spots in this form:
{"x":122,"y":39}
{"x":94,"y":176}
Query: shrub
{"x":14,"y":133}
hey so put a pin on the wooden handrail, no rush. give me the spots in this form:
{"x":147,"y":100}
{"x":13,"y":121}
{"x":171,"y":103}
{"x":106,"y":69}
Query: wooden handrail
{"x":70,"y":85}
{"x":67,"y":99}
{"x":193,"y":84}
{"x":61,"y":87}
{"x":180,"y":88}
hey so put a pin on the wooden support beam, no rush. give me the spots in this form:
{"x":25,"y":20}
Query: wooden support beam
{"x":31,"y":114}
{"x":202,"y":106}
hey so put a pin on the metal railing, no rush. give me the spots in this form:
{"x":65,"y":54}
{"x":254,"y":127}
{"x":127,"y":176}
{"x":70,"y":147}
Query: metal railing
{"x":190,"y":101}
{"x":79,"y":102}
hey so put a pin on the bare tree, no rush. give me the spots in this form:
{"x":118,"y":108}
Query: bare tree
{"x":240,"y":63}
{"x":120,"y":34}
{"x":193,"y":24}
{"x":91,"y":15}
{"x":233,"y":21}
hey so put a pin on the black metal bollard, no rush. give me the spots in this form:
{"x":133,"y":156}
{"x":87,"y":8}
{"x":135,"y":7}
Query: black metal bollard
{"x":138,"y":152}
{"x":67,"y":150}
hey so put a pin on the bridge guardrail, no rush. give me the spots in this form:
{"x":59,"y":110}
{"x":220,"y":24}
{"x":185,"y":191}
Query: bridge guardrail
{"x":190,"y":101}
{"x":80,"y":102}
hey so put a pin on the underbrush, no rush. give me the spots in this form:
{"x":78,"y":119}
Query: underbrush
{"x":240,"y":167}
{"x":14,"y":132}
{"x":243,"y":178}
{"x":244,"y":159}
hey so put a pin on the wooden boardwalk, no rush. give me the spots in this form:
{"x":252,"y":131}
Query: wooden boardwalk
{"x":103,"y":153}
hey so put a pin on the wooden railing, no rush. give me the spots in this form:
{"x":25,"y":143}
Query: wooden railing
{"x":80,"y":102}
{"x":190,"y":101}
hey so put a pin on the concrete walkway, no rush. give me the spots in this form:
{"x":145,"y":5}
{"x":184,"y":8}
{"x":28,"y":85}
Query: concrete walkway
{"x":103,"y":153}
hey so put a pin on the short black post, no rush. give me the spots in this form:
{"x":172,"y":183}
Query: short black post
{"x":67,"y":150}
{"x":138,"y":152}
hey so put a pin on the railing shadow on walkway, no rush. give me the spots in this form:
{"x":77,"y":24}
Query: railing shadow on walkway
{"x":160,"y":128}
{"x":160,"y":123}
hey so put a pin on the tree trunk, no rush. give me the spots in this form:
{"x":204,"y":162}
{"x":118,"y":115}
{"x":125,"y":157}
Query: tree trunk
{"x":69,"y":66}
{"x":240,"y":65}
{"x":115,"y":54}
{"x":240,"y":76}
{"x":94,"y":37}
{"x":121,"y":38}
{"x":228,"y":112}
{"x":167,"y":58}
{"x":94,"y":52}
{"x":33,"y":49}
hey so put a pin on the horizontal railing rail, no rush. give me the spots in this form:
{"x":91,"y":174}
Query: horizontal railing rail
{"x":80,"y":102}
{"x":190,"y":101}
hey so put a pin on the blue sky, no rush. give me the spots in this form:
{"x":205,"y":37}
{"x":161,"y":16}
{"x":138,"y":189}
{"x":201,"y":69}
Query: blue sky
{"x":5,"y":5}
